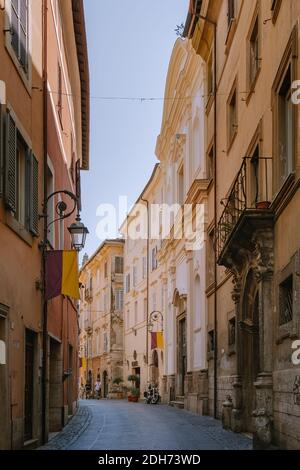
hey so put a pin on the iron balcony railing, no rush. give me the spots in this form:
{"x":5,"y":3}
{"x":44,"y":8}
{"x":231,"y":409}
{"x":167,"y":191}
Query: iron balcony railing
{"x":250,"y":190}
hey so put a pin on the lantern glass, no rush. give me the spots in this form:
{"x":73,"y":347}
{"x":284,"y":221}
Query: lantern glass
{"x":78,"y":233}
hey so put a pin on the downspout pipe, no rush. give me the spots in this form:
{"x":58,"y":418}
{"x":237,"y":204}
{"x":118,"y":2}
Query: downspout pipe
{"x":45,"y":219}
{"x":215,"y":224}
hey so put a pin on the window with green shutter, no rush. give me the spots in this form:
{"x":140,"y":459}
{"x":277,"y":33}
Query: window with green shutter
{"x":11,"y":164}
{"x":34,"y":195}
{"x":1,"y":149}
{"x":19,"y":31}
{"x":21,"y":179}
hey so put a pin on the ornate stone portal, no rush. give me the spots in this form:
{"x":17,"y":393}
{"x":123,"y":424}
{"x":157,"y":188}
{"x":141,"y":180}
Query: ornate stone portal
{"x":250,"y":256}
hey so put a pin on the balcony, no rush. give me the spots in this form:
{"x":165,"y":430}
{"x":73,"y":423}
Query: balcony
{"x":88,"y":294}
{"x":88,"y":325}
{"x":247,"y":209}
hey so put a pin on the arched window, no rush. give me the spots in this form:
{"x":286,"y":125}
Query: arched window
{"x":197,"y":303}
{"x":196,"y":145}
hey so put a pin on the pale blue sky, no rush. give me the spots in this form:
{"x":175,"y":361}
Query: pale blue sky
{"x":130,"y":44}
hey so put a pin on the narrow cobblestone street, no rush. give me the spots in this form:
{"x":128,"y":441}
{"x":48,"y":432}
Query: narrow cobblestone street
{"x":119,"y":425}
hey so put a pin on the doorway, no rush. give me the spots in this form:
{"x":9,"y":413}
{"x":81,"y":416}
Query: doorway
{"x":29,"y":366}
{"x":105,"y":384}
{"x":250,"y":347}
{"x":70,"y":380}
{"x":182,"y":359}
{"x":154,"y":368}
{"x":55,"y":386}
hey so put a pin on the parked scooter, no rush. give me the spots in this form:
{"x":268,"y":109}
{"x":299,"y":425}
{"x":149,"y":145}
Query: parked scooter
{"x":152,"y":396}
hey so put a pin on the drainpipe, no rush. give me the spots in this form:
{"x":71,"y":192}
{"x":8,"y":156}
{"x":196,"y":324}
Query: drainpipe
{"x":215,"y":224}
{"x":148,"y":287}
{"x":45,"y":219}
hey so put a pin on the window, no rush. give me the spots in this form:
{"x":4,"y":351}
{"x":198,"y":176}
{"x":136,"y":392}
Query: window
{"x":105,"y":302}
{"x":231,"y":11}
{"x":211,"y":163}
{"x":232,"y":115}
{"x":59,"y":92}
{"x":284,"y":114}
{"x":20,"y":213}
{"x":210,"y":258}
{"x":128,"y":319}
{"x":134,"y":276}
{"x":144,"y":267}
{"x":105,"y":342}
{"x":135,"y":312}
{"x":98,"y":344}
{"x":19,"y":31}
{"x":285,"y":127}
{"x":210,"y":76}
{"x":72,"y":167}
{"x":154,"y":301}
{"x":181,"y":186}
{"x":119,"y":299}
{"x":211,"y":341}
{"x":154,"y":258}
{"x":286,"y":301}
{"x":231,"y":332}
{"x":254,"y":59}
{"x":275,"y":7}
{"x":21,"y":179}
{"x":105,"y":269}
{"x":254,"y":186}
{"x":127,"y":283}
{"x":50,"y":190}
{"x":119,"y":265}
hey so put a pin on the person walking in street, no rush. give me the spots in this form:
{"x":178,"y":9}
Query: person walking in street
{"x":98,"y":389}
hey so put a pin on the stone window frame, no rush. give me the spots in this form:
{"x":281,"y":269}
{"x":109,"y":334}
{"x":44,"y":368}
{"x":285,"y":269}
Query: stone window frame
{"x":231,"y":348}
{"x":26,"y":76}
{"x":210,"y":336}
{"x":275,"y":7}
{"x":232,"y":133}
{"x":251,"y":84}
{"x":291,"y":329}
{"x":289,"y":59}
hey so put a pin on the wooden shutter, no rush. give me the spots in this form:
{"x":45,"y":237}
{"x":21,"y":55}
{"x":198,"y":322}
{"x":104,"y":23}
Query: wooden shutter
{"x":11,"y":164}
{"x":1,"y":149}
{"x":23,"y":31}
{"x":15,"y":26}
{"x":34,"y":196}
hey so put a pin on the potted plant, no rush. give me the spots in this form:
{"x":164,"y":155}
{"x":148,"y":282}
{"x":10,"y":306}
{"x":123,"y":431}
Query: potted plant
{"x":263,"y":205}
{"x":135,"y":394}
{"x":116,"y":390}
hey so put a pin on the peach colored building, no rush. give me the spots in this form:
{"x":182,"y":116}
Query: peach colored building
{"x":31,"y":169}
{"x":67,"y":153}
{"x":101,"y":317}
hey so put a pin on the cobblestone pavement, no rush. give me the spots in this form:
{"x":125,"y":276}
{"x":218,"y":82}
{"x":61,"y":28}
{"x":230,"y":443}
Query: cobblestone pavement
{"x":119,"y":425}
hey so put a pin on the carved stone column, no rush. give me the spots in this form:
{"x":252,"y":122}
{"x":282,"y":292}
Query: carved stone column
{"x":264,"y":267}
{"x":237,"y":392}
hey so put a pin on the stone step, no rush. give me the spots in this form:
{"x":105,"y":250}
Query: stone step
{"x":179,"y":398}
{"x":177,"y":404}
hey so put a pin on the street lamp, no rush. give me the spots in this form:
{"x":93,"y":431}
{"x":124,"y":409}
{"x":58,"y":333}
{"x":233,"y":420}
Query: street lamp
{"x":154,"y":317}
{"x":78,"y":233}
{"x":78,"y":230}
